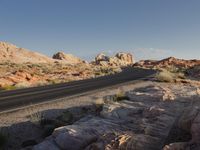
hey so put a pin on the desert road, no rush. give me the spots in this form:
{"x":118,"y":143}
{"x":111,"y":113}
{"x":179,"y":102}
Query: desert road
{"x":23,"y":97}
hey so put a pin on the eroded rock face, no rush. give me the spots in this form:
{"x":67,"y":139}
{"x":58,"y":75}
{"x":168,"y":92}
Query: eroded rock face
{"x":120,"y":59}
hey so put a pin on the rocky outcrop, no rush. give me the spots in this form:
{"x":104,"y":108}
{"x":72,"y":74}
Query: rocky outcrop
{"x":14,"y":54}
{"x":126,"y":57}
{"x":143,"y":119}
{"x":120,"y":59}
{"x":68,"y":58}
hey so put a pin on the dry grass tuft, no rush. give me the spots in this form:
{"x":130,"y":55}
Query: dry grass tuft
{"x":165,"y":76}
{"x":168,"y":76}
{"x":121,"y":95}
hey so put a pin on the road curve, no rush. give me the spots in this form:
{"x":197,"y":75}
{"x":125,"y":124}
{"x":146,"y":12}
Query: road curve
{"x":23,"y":97}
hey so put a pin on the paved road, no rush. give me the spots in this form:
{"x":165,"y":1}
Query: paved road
{"x":23,"y":97}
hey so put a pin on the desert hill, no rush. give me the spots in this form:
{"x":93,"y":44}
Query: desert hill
{"x":14,"y":54}
{"x":165,"y":63}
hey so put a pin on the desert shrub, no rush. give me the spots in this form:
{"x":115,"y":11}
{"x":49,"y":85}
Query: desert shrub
{"x":165,"y":76}
{"x":168,"y":76}
{"x":172,"y":69}
{"x":121,"y":95}
{"x":180,"y":75}
{"x":98,"y":104}
{"x":55,"y":81}
{"x":101,"y":71}
{"x":22,"y":85}
{"x":98,"y":74}
{"x":175,"y":69}
{"x":36,"y":117}
{"x":41,"y":83}
{"x":9,"y":87}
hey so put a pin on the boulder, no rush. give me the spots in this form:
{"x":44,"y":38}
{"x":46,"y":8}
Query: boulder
{"x":101,"y":57}
{"x":125,"y":57}
{"x":68,"y":58}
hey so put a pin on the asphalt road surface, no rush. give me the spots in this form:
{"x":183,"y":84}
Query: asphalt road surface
{"x":23,"y":97}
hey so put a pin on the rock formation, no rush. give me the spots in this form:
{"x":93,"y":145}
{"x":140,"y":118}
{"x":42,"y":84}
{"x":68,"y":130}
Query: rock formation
{"x":68,"y":58}
{"x":146,"y":118}
{"x":120,"y":59}
{"x":126,"y":57}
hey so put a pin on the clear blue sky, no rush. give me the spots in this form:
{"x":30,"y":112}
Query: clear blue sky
{"x":148,"y":28}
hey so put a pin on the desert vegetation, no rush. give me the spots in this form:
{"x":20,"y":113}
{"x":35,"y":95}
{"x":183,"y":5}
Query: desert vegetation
{"x":169,"y":76}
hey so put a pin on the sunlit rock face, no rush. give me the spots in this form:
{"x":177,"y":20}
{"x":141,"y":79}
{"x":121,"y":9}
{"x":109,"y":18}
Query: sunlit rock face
{"x":120,"y":59}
